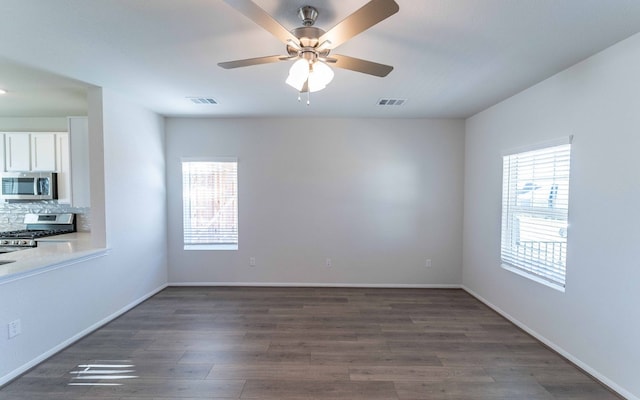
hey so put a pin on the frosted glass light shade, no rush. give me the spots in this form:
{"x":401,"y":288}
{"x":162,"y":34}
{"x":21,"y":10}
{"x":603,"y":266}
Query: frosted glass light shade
{"x":298,"y":74}
{"x":318,"y":74}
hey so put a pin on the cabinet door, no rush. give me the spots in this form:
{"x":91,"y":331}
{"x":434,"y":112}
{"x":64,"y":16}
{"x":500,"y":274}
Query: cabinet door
{"x":18,"y":152}
{"x":43,"y":151}
{"x":3,"y":164}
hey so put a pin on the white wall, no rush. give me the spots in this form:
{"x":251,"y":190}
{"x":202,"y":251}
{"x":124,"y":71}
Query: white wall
{"x":59,"y":305}
{"x":135,"y":191}
{"x":377,"y":196}
{"x":596,"y":321}
{"x":48,"y":124}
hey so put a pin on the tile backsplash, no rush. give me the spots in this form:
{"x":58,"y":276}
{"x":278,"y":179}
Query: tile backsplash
{"x":12,"y":214}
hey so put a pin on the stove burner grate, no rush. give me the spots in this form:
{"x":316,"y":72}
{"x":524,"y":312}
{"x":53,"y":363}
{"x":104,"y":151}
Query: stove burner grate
{"x":26,"y":238}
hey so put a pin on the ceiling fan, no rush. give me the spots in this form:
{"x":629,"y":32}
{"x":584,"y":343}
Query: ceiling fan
{"x":310,"y":46}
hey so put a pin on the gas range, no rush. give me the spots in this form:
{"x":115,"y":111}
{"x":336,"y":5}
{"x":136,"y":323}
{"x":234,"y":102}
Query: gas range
{"x":38,"y":226}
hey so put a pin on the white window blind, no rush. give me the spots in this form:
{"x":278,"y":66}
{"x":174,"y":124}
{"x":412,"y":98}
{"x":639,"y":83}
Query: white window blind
{"x":535,"y":206}
{"x":210,"y":204}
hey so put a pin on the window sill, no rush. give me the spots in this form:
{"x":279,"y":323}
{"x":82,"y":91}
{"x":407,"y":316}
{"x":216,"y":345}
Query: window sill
{"x":211,"y":247}
{"x":533,"y":277}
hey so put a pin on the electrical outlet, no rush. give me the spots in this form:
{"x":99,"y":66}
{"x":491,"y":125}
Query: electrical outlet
{"x":327,"y":262}
{"x":252,"y":261}
{"x":15,"y":328}
{"x":427,"y":263}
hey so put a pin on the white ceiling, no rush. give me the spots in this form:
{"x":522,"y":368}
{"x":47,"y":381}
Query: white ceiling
{"x":37,"y":93}
{"x":452,"y":58}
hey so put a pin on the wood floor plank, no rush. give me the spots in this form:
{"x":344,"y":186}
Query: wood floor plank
{"x":318,"y":346}
{"x":208,"y":344}
{"x":249,"y":357}
{"x":309,"y":343}
{"x":475,"y":391}
{"x":419,"y":374}
{"x":165,"y":370}
{"x":375,"y":358}
{"x":172,"y":388}
{"x":330,"y":390}
{"x":279,"y":371}
{"x":496,"y":359}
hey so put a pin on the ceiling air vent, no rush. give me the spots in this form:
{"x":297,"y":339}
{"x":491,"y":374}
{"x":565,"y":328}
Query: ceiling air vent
{"x":391,"y":102}
{"x":203,"y":100}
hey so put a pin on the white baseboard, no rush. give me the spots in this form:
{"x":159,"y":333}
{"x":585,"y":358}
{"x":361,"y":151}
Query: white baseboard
{"x":595,"y":374}
{"x":320,"y":285}
{"x":24,"y":368}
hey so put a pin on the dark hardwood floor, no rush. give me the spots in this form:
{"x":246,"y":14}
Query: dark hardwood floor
{"x":307,"y":343}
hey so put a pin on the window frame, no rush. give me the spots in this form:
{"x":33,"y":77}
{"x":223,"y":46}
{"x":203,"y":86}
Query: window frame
{"x":209,"y":246}
{"x":536,"y":268}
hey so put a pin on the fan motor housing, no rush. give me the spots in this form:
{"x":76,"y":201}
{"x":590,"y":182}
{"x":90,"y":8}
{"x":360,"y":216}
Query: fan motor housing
{"x":308,"y":36}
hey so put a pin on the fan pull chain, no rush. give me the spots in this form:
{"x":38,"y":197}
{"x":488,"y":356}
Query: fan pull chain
{"x":308,"y":97}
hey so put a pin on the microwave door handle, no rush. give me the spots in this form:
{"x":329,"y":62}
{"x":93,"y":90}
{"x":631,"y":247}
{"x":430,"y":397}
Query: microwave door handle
{"x":35,"y":186}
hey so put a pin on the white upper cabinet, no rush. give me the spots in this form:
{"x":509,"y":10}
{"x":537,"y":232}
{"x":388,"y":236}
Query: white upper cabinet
{"x":18,"y":152}
{"x":65,"y":153}
{"x":25,"y":151}
{"x":43,"y":152}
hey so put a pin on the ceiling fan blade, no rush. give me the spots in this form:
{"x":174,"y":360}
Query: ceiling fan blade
{"x":253,"y":61}
{"x":252,"y":11}
{"x":358,"y":65}
{"x":361,"y":20}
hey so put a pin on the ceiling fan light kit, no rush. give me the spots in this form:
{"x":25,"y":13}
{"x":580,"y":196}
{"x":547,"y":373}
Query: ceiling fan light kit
{"x":316,"y":75}
{"x":310,"y":46}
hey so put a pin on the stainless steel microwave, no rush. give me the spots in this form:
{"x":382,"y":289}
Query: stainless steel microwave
{"x":29,"y":186}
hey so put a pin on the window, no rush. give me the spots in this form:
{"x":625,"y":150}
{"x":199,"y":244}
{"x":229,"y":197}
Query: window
{"x":535,"y":205}
{"x":210,"y":204}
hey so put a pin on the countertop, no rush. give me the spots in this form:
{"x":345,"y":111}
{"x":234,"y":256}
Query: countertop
{"x":51,"y":252}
